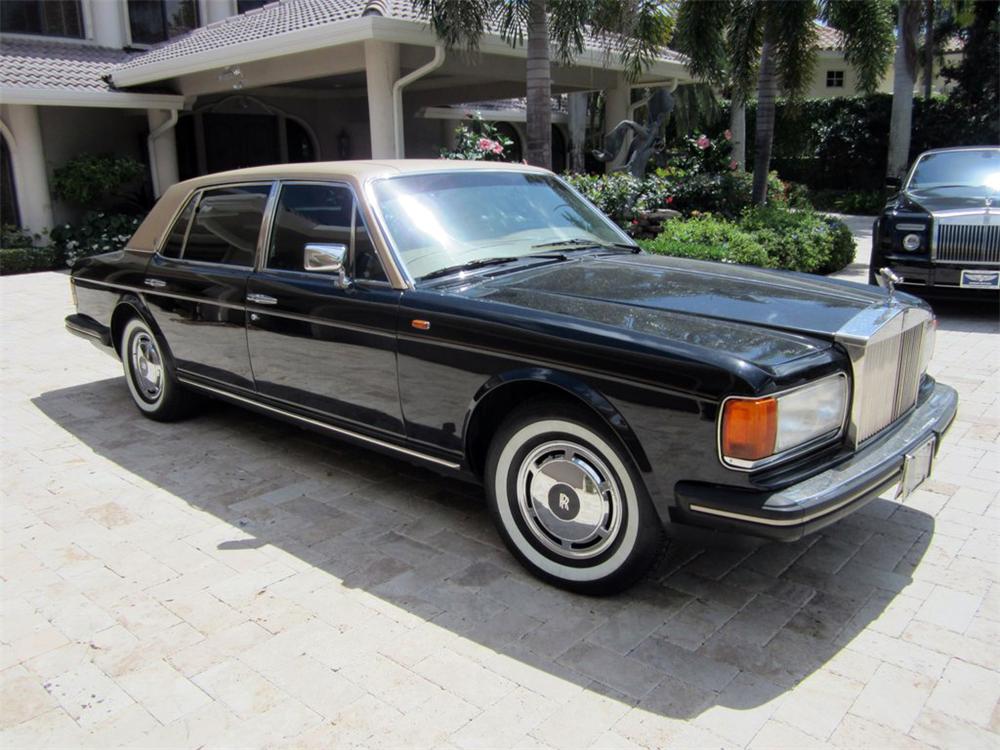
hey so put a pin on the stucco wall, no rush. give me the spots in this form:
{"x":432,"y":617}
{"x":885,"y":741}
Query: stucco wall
{"x":827,"y":61}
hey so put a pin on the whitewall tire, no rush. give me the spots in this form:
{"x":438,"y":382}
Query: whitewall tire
{"x":568,"y":501}
{"x":155,"y":391}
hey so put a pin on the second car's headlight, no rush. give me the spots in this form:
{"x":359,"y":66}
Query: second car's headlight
{"x":757,"y":431}
{"x":911,"y":242}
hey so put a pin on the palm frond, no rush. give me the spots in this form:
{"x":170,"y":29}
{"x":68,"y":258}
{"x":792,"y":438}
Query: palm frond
{"x":457,"y":23}
{"x":744,"y":39}
{"x":512,"y":20}
{"x":795,"y":42}
{"x":565,"y":27}
{"x":700,"y":33}
{"x":867,"y":26}
{"x":636,"y":31}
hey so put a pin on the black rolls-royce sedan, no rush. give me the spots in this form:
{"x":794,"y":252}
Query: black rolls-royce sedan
{"x":940,"y":232}
{"x":487,"y":321}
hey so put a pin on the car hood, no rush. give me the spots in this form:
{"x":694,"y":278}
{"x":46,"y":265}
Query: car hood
{"x":765,"y":316}
{"x":934,"y":203}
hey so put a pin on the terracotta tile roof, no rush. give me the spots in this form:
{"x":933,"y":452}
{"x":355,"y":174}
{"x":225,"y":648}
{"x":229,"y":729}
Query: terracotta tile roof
{"x":283,"y":17}
{"x":63,"y":66}
{"x":832,"y":40}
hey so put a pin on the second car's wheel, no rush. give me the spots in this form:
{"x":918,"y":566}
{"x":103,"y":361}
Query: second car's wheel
{"x":153,"y":387}
{"x":568,"y":500}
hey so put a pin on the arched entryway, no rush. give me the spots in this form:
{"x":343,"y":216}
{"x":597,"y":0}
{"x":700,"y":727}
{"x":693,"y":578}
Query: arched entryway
{"x":241,"y":131}
{"x":8,"y":192}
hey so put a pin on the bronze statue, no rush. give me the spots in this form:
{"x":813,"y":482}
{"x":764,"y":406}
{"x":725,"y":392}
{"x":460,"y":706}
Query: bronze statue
{"x":646,"y":140}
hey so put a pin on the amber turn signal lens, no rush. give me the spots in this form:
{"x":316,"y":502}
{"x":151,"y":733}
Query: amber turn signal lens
{"x":749,"y":428}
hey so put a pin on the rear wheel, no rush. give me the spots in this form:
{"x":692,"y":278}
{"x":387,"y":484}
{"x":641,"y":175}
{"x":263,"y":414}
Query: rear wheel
{"x":569,"y":502}
{"x":155,"y":391}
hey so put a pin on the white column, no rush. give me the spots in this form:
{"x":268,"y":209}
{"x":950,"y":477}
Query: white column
{"x":31,"y":181}
{"x":616,"y":106}
{"x":216,"y":10}
{"x":163,"y":152}
{"x":382,"y":70}
{"x":107,"y":19}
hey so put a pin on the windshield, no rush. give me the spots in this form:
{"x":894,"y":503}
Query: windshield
{"x":440,"y":221}
{"x":972,"y":172}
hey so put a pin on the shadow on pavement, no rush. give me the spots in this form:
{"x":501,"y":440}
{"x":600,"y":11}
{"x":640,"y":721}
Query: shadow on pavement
{"x":731,"y":623}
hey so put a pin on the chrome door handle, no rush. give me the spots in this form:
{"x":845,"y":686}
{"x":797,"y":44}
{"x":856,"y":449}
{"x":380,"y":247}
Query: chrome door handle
{"x":262,"y":299}
{"x":156,"y":283}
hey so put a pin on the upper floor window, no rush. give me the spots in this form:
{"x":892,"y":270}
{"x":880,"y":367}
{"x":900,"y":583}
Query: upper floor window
{"x":44,"y":17}
{"x":835,"y":79}
{"x":153,"y":21}
{"x":242,"y":6}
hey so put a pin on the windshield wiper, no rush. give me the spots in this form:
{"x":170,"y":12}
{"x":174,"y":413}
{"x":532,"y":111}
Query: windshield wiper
{"x":448,"y":270}
{"x":582,"y":242}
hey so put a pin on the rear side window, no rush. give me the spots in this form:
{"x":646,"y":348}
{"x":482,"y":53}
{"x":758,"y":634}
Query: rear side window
{"x":226,"y":225}
{"x":175,"y":240}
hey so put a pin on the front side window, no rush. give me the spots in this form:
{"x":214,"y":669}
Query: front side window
{"x":835,"y":79}
{"x":45,"y":17}
{"x":154,"y":21}
{"x":226,"y":225}
{"x":438,"y":221}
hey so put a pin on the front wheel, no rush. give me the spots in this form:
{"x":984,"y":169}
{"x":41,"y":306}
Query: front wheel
{"x":569,"y":502}
{"x":155,"y":391}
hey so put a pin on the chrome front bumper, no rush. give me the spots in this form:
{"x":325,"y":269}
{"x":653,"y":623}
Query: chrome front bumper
{"x":808,"y":506}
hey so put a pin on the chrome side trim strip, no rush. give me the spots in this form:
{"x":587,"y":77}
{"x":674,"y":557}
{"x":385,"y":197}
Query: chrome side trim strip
{"x":779,"y":521}
{"x":157,"y":293}
{"x":323,"y":425}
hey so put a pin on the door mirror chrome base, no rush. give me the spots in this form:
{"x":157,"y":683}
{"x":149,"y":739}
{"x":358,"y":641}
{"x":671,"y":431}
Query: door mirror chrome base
{"x":327,"y":258}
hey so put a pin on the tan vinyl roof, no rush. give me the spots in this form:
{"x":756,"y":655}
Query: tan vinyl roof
{"x":157,"y":222}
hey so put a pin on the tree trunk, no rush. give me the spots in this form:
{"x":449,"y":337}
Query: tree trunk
{"x":738,"y":127}
{"x":767,"y":89}
{"x":929,"y":50}
{"x":904,"y":71}
{"x":539,"y":81}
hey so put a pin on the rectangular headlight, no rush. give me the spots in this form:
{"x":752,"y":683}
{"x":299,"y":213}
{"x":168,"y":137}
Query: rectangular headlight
{"x":759,"y":431}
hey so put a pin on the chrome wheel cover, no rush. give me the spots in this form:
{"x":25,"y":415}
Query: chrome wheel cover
{"x":569,"y":499}
{"x":147,"y":367}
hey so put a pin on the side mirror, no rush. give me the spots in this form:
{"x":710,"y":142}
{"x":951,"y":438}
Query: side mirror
{"x":327,"y":258}
{"x":893,"y":184}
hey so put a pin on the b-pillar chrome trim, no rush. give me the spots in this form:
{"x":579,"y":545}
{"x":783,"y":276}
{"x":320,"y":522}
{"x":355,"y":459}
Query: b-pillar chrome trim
{"x":321,"y":425}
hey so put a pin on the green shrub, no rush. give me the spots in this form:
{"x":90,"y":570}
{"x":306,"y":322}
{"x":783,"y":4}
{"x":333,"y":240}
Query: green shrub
{"x":13,"y":236}
{"x":25,"y":259}
{"x":98,"y":233}
{"x":770,"y":237}
{"x":727,"y":194}
{"x":623,"y":197}
{"x":98,"y":182}
{"x":479,"y":141}
{"x":708,"y":238}
{"x":866,"y":202}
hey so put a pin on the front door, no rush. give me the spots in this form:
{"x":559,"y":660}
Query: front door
{"x":316,"y":343}
{"x":196,"y":284}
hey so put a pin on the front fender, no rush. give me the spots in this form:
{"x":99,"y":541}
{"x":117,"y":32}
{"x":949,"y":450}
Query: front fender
{"x":570,"y":385}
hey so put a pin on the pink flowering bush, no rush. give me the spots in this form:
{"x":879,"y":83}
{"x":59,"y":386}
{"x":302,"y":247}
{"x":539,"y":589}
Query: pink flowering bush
{"x":479,"y":141}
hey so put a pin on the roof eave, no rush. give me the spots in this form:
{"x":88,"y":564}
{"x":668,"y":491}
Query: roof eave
{"x":52,"y":97}
{"x":347,"y":32}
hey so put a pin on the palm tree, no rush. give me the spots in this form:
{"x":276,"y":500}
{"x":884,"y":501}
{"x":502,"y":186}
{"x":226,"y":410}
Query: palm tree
{"x":634,"y":29}
{"x":904,"y":74}
{"x":770,"y":44}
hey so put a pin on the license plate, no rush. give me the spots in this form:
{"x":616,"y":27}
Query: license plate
{"x":916,"y":468}
{"x":976,"y":279}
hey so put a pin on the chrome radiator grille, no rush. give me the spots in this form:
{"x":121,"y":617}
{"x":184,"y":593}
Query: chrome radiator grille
{"x":890,"y":379}
{"x":970,"y":243}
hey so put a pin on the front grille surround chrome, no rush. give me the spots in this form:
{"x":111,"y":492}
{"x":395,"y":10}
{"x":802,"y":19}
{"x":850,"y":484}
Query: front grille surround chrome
{"x":886,"y":345}
{"x":970,"y":238}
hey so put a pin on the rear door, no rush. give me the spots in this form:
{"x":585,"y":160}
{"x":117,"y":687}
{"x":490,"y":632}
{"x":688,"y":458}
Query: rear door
{"x":196,"y":283}
{"x":316,"y":343}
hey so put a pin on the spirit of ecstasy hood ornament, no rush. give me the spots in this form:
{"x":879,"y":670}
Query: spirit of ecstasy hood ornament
{"x":888,"y":280}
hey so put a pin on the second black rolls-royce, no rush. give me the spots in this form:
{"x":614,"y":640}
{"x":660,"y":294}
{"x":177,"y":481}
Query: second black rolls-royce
{"x":488,"y":321}
{"x":940,"y":232}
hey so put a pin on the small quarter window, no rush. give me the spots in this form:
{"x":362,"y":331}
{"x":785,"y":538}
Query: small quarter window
{"x":835,"y":79}
{"x":226,"y":225}
{"x":308,"y":214}
{"x":174,"y":244}
{"x":366,"y":263}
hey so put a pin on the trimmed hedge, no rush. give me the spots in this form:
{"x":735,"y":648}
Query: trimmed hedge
{"x":27,"y":259}
{"x":771,"y":237}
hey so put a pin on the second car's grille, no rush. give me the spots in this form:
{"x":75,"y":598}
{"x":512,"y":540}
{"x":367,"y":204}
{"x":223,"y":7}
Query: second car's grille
{"x":891,"y":377}
{"x":975,"y":243}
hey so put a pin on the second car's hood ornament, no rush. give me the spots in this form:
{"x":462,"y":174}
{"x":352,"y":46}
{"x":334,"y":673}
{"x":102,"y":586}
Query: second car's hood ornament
{"x":888,"y":280}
